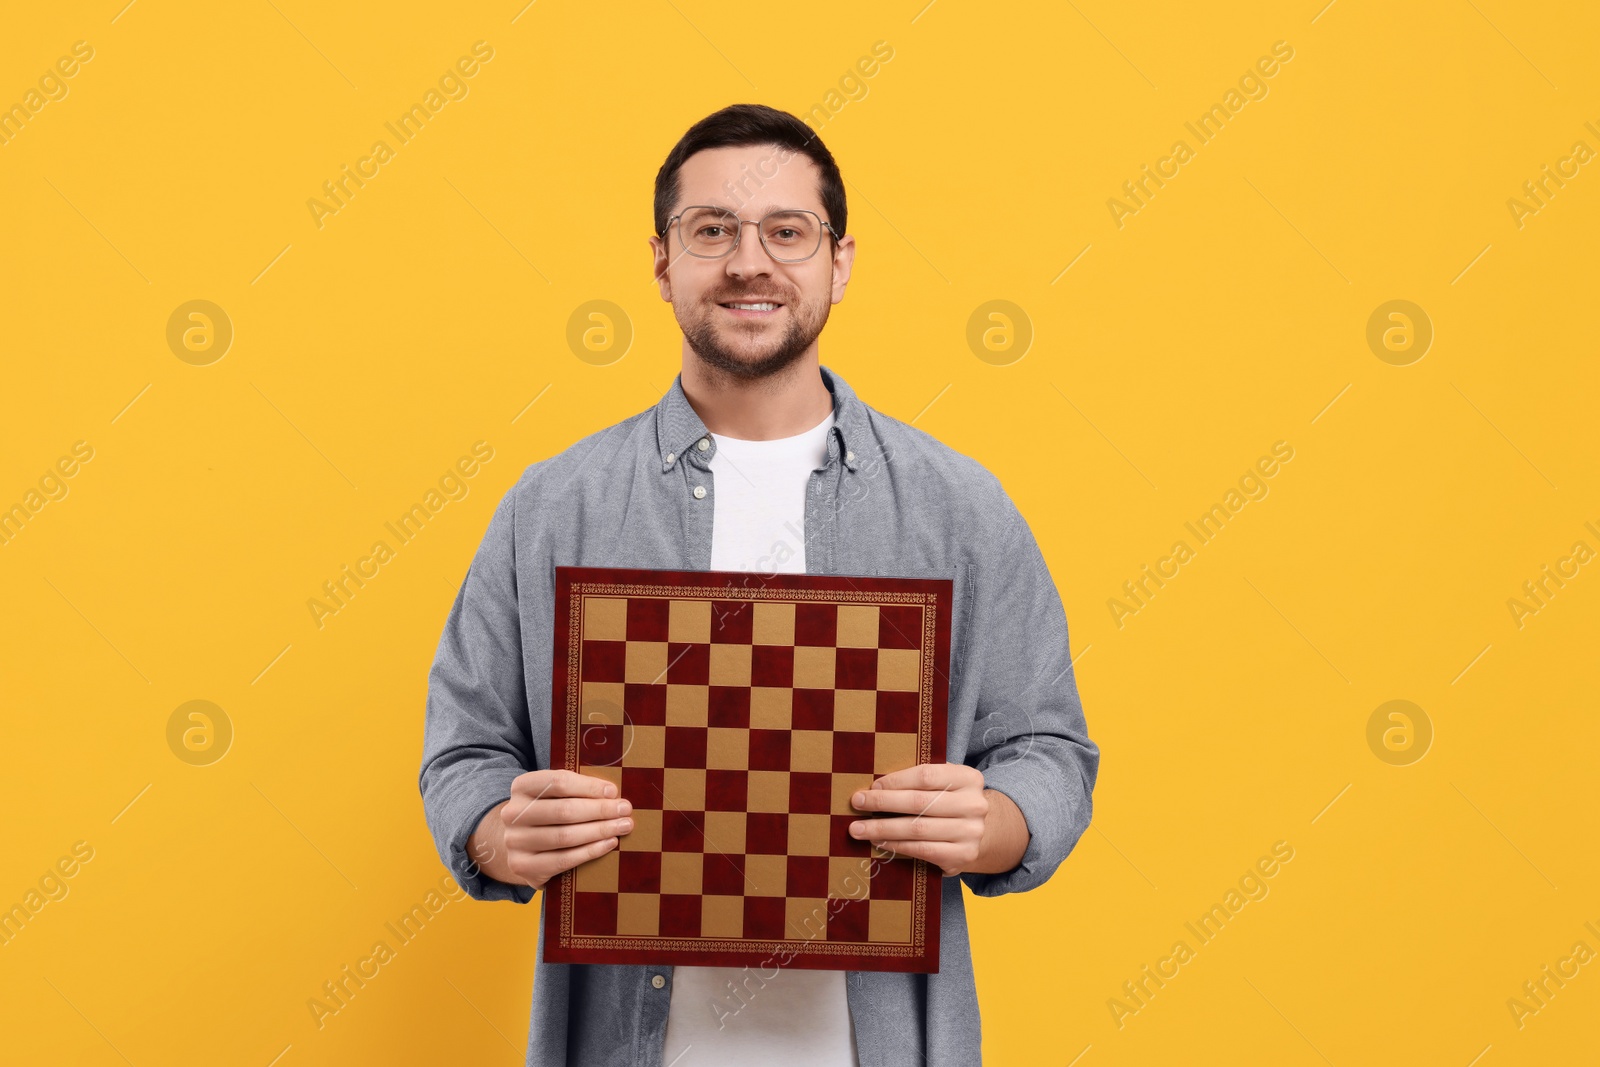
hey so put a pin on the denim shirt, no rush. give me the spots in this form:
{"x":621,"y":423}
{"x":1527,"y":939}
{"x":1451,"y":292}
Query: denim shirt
{"x":890,"y":500}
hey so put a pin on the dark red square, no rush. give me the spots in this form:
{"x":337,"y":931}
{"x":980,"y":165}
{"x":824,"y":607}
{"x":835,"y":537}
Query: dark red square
{"x":643,"y":787}
{"x":764,"y":918}
{"x":815,"y":624}
{"x":726,"y":790}
{"x":899,"y":626}
{"x":810,"y":792}
{"x":728,"y":705}
{"x":853,"y":752}
{"x":601,"y":744}
{"x":603,"y":661}
{"x":766,"y":833}
{"x":594,"y":914}
{"x":847,"y":919}
{"x":808,"y":876}
{"x":772,"y":665}
{"x":683,"y":831}
{"x":647,"y":618}
{"x":812,"y":709}
{"x":893,"y":879}
{"x":722,"y":874}
{"x":732,"y":622}
{"x":639,"y":872}
{"x":688,"y":664}
{"x":897,"y":712}
{"x":769,"y":750}
{"x":686,"y":746}
{"x":841,"y":842}
{"x":855,"y":668}
{"x":680,"y":915}
{"x":644,"y":704}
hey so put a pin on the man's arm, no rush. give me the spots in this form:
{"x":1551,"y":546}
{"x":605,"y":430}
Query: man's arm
{"x":476,"y":738}
{"x":1029,"y":738}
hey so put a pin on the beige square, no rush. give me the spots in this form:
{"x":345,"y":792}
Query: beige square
{"x":811,"y":750}
{"x":638,"y":914}
{"x":721,"y":916}
{"x":730,"y":665}
{"x":813,"y":666}
{"x":725,"y":831}
{"x":646,"y":747}
{"x":889,"y":920}
{"x":687,"y":705}
{"x":646,"y":833}
{"x":766,"y":876}
{"x":855,"y":709}
{"x":808,"y":835}
{"x":610,"y":774}
{"x":600,"y":702}
{"x":768,"y":791}
{"x":844,"y":786}
{"x":894,"y":752}
{"x":605,"y":618}
{"x":727,"y":748}
{"x":689,"y":621}
{"x":772,"y":624}
{"x":685,"y":789}
{"x":858,"y":626}
{"x":806,"y":919}
{"x":680,"y":872}
{"x":646,"y":661}
{"x":848,"y":876}
{"x":899,"y":669}
{"x":598,"y":875}
{"x":771,"y":708}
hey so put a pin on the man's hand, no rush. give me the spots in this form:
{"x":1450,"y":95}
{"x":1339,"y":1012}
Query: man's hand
{"x":955,"y":822}
{"x":554,"y":821}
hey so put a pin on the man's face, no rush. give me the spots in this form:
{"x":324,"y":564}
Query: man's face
{"x":749,"y":181}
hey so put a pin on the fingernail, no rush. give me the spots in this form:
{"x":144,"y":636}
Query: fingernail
{"x":611,"y":791}
{"x":624,"y":806}
{"x":859,"y":799}
{"x":858,"y":828}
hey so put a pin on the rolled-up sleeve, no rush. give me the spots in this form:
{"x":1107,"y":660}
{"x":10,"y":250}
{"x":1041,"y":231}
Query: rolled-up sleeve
{"x":476,"y":738}
{"x":1029,"y":737}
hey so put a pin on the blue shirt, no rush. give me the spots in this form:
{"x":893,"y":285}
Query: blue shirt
{"x":889,"y":500}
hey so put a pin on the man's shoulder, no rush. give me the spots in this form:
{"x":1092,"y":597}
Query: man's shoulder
{"x":594,"y":456}
{"x":922,"y":458}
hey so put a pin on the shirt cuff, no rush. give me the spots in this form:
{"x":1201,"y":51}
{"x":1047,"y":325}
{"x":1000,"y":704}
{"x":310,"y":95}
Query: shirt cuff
{"x":488,"y":789}
{"x":1052,"y":825}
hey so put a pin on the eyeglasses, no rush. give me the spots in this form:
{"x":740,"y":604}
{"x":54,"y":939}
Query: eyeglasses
{"x":790,"y":235}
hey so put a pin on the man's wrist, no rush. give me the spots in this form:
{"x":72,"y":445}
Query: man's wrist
{"x":1005,"y":836}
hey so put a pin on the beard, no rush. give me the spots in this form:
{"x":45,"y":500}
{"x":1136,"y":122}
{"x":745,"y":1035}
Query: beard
{"x":744,"y":351}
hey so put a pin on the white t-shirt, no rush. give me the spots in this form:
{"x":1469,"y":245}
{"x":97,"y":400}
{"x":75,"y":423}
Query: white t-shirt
{"x":726,"y":1016}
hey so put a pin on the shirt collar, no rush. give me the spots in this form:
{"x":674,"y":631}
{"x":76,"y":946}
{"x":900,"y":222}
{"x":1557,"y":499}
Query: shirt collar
{"x":679,"y":427}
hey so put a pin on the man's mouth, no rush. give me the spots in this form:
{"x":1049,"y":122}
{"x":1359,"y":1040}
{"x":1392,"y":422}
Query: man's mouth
{"x":751,"y":309}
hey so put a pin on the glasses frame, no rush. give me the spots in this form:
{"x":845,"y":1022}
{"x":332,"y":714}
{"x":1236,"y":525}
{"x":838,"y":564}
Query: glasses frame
{"x":738,"y":235}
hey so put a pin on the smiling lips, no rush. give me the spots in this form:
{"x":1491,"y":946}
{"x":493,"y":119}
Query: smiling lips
{"x":751,"y":309}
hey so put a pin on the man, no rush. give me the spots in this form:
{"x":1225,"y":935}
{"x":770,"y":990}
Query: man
{"x":759,"y":458}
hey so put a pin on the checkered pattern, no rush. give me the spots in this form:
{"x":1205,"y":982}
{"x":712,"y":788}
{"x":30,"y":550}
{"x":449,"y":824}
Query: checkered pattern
{"x":739,"y":729}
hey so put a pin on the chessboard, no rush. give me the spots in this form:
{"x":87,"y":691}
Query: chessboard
{"x":739,"y":713}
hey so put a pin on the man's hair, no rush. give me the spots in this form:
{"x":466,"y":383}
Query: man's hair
{"x":739,"y":125}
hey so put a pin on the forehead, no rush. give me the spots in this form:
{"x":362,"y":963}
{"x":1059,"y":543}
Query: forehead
{"x":751,"y":178}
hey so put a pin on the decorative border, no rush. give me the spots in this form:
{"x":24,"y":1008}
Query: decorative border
{"x":934,"y":595}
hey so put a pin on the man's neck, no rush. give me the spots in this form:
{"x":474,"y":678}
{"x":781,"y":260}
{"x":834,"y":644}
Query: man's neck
{"x":788,"y":403}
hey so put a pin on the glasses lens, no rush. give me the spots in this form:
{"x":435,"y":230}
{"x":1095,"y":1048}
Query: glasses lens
{"x":708,"y":232}
{"x":791,"y":235}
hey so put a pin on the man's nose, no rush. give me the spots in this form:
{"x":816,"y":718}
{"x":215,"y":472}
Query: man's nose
{"x":750,"y":258}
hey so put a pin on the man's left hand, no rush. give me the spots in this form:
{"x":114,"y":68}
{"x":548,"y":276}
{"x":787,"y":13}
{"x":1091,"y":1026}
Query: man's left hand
{"x":948,"y":811}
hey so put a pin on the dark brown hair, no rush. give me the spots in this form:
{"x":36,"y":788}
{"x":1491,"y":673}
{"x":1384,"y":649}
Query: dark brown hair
{"x":739,"y":125}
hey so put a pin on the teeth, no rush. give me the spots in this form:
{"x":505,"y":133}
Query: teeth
{"x":755,"y":307}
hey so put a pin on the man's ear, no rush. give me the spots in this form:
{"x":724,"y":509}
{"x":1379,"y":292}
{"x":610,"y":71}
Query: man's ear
{"x":844,"y":257}
{"x":659,"y":266}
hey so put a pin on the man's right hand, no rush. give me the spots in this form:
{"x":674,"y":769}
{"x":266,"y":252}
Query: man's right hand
{"x":554,"y":821}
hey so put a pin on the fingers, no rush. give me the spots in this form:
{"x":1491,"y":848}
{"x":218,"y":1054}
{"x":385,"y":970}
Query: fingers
{"x":932,"y":776}
{"x":556,"y":810}
{"x":952,"y":803}
{"x":949,"y":857}
{"x":539,"y":869}
{"x":913,"y":828}
{"x":561,"y":783}
{"x":557,"y":837}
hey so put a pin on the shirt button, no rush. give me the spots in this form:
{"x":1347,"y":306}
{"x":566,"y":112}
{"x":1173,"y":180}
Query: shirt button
{"x":850,"y":457}
{"x":670,"y":457}
{"x":657,"y":981}
{"x":699,"y":492}
{"x":702,"y":444}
